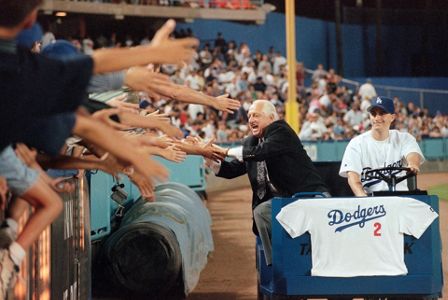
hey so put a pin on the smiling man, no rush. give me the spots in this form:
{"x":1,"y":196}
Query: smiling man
{"x":276,"y":163}
{"x":378,"y":148}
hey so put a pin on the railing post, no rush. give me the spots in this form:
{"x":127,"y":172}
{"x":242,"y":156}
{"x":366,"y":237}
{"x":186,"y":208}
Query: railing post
{"x":422,"y":99}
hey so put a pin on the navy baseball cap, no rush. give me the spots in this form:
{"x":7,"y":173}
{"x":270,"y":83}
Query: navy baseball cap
{"x":27,"y":37}
{"x":384,"y":103}
{"x":60,"y":49}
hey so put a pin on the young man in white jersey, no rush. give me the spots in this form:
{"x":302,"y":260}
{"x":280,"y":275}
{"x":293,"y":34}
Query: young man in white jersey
{"x":378,"y":148}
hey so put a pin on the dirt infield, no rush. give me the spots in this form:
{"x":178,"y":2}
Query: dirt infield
{"x":230,"y":273}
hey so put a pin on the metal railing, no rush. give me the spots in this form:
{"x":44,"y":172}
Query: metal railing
{"x":419,"y":96}
{"x":415,"y":94}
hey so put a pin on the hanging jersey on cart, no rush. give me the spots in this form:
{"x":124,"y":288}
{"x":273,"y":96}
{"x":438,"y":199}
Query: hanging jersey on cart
{"x":364,"y":153}
{"x":357,"y":236}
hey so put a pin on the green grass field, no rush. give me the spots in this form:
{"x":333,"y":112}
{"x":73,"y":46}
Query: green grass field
{"x":440,"y":190}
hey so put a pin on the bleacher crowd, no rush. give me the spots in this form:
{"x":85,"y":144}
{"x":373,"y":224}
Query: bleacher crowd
{"x":233,"y":4}
{"x":329,"y":110}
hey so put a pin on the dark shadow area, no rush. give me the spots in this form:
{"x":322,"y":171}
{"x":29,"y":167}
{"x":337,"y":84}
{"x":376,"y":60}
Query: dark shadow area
{"x":329,"y":171}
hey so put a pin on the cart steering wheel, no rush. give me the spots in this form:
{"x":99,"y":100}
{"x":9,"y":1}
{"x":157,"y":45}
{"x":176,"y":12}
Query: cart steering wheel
{"x":389,"y":175}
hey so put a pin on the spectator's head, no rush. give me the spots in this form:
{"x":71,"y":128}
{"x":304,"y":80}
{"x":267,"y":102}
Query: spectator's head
{"x":200,"y":116}
{"x":29,"y":37}
{"x":77,"y":43}
{"x":312,"y":117}
{"x":261,"y":114}
{"x":411,"y":106}
{"x":245,"y":50}
{"x":18,"y":13}
{"x":60,"y":49}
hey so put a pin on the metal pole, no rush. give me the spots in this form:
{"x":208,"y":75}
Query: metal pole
{"x":291,"y":106}
{"x":422,"y":100}
{"x":378,"y":40}
{"x":339,"y":48}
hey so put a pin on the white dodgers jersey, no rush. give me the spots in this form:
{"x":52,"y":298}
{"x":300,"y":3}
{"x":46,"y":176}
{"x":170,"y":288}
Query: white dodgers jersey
{"x":364,"y":153}
{"x":357,"y":236}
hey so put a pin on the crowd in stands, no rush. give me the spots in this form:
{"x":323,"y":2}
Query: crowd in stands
{"x":233,"y":4}
{"x":329,"y":110}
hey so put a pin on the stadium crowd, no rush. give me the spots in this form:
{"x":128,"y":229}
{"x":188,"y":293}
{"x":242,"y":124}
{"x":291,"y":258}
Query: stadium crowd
{"x":329,"y":110}
{"x":234,"y":4}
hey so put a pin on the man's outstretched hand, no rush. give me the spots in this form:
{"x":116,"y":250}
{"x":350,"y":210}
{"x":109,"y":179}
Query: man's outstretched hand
{"x":213,"y":151}
{"x":220,"y":152}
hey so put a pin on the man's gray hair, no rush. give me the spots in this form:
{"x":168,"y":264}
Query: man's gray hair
{"x":268,"y":108}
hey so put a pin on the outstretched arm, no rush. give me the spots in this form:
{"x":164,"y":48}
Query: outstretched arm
{"x":170,"y":52}
{"x":140,"y":79}
{"x":171,"y":153}
{"x":206,"y":150}
{"x":165,"y":52}
{"x":188,"y":95}
{"x":130,"y":119}
{"x":150,"y":121}
{"x":103,"y":136}
{"x":70,"y":162}
{"x":158,"y":85}
{"x":3,"y":192}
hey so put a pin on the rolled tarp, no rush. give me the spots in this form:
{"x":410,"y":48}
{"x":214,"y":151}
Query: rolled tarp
{"x":144,"y":258}
{"x":187,"y":230}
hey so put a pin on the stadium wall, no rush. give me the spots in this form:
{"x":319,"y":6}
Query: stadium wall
{"x":403,"y":47}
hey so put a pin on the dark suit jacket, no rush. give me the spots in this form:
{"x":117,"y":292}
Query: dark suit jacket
{"x":289,"y":167}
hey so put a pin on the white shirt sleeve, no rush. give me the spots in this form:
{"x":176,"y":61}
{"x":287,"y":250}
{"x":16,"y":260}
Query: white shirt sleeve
{"x":351,"y":161}
{"x":215,"y":166}
{"x":415,"y":217}
{"x":293,"y":218}
{"x":236,"y":152}
{"x":410,"y":145}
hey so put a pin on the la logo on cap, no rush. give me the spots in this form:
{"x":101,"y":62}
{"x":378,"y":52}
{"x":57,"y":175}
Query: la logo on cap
{"x":378,"y":100}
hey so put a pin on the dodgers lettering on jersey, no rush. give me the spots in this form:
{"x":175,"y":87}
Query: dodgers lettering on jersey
{"x":357,"y":236}
{"x":368,"y":182}
{"x":358,"y":217}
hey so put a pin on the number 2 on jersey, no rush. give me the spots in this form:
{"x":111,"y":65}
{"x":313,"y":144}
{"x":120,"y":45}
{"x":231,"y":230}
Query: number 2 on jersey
{"x":377,"y":227}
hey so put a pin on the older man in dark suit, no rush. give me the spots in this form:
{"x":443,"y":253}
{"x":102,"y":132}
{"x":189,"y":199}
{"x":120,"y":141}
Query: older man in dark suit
{"x":276,"y":163}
